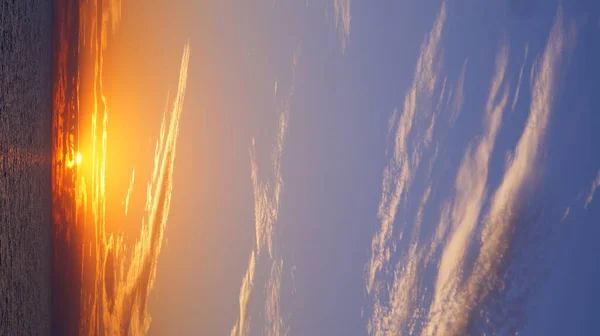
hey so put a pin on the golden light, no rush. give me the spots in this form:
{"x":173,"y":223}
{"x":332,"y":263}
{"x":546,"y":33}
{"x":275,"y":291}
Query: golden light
{"x":75,"y":161}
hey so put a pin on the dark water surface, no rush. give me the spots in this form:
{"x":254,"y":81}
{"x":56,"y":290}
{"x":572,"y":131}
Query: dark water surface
{"x":25,"y":157}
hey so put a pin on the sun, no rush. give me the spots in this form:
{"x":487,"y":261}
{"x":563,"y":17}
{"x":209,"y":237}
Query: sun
{"x":75,"y":161}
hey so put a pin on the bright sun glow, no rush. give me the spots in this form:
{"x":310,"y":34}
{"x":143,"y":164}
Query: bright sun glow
{"x":75,"y":161}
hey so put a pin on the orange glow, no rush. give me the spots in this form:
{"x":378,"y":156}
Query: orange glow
{"x":76,"y":161}
{"x":112,"y":273}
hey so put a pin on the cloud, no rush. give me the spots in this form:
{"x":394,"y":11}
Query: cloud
{"x":429,"y":132}
{"x":240,"y":327}
{"x":566,"y":214}
{"x":453,"y":315}
{"x":389,"y":320}
{"x":267,"y":198}
{"x":266,"y":211}
{"x":341,"y":9}
{"x":595,"y":185}
{"x":404,"y":294}
{"x":440,"y":232}
{"x":432,"y":160}
{"x":398,"y":172}
{"x":467,"y":279}
{"x":111,"y":13}
{"x":403,"y":312}
{"x":115,"y":300}
{"x":274,"y":325}
{"x":125,"y":294}
{"x":458,"y":96}
{"x":470,"y":188}
{"x":519,"y":80}
{"x":129,"y":191}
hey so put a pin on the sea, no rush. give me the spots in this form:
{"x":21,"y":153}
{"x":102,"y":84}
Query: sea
{"x":26,"y":58}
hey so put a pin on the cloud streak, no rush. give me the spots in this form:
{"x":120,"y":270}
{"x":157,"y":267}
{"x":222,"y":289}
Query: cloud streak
{"x":266,"y":211}
{"x":403,"y":296}
{"x":274,"y":324}
{"x":343,"y":18}
{"x":125,"y":294}
{"x":470,"y":188}
{"x":267,"y":198}
{"x":595,"y":185}
{"x":519,"y":80}
{"x":402,"y":313}
{"x":458,"y":98}
{"x":241,"y":327}
{"x":129,"y":191}
{"x":118,"y":277}
{"x":499,"y":224}
{"x":472,"y":272}
{"x":398,"y":172}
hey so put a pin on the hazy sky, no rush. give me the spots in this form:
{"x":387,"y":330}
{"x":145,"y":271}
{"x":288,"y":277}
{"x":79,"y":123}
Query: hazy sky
{"x":356,"y":167}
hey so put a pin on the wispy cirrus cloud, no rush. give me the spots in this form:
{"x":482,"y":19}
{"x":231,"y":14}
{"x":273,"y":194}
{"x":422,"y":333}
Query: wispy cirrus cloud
{"x":458,"y":99}
{"x":467,"y":278}
{"x":129,"y":191}
{"x":440,"y":233}
{"x":115,"y":300}
{"x":404,"y":309}
{"x":470,"y":186}
{"x":125,"y":294}
{"x":595,"y":185}
{"x":566,"y":214}
{"x":520,"y":79}
{"x":343,"y":19}
{"x":241,"y":326}
{"x":266,"y":211}
{"x":267,"y":198}
{"x":274,"y":324}
{"x":399,"y":314}
{"x":454,"y":315}
{"x":398,"y":172}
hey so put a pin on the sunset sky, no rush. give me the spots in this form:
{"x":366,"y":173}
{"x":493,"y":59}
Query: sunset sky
{"x":341,"y":167}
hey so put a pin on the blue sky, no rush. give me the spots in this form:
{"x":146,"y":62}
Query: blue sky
{"x":387,"y":183}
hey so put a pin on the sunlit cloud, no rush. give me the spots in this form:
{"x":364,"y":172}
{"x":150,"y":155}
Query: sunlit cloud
{"x":519,"y":80}
{"x":470,"y":193}
{"x":267,"y":195}
{"x":429,"y":132}
{"x":129,"y":191}
{"x":432,"y":160}
{"x":125,"y":307}
{"x":592,"y":192}
{"x":266,"y":210}
{"x":341,"y":10}
{"x":119,"y":277}
{"x":470,"y":188}
{"x":114,"y":8}
{"x":404,"y":310}
{"x":566,"y":214}
{"x":398,"y":172}
{"x":441,"y":231}
{"x":452,"y":316}
{"x":458,"y":96}
{"x":462,"y":282}
{"x":267,"y":198}
{"x":274,"y":324}
{"x":404,"y":294}
{"x":241,"y":327}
